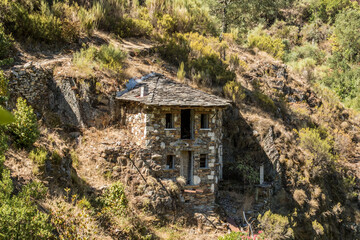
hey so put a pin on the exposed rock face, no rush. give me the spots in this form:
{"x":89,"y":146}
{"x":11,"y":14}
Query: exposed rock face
{"x":76,"y":102}
{"x":274,"y":156}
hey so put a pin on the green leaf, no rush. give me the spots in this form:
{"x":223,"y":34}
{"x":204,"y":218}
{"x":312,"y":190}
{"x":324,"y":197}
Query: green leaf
{"x":5,"y":117}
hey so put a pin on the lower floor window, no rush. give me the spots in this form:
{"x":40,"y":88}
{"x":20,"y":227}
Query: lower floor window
{"x":170,"y":162}
{"x":203,"y":161}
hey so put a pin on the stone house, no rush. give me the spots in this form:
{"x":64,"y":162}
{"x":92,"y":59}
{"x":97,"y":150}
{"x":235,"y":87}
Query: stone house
{"x":179,"y":123}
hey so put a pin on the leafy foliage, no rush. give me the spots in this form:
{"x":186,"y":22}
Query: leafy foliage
{"x":242,"y":236}
{"x":108,"y":57}
{"x":4,"y":92}
{"x":234,"y":91}
{"x":19,"y":216}
{"x":261,"y":40}
{"x":319,"y":149}
{"x":275,"y":226}
{"x":5,"y":43}
{"x":25,"y":128}
{"x":114,"y":199}
{"x":70,"y":223}
{"x":347,"y":25}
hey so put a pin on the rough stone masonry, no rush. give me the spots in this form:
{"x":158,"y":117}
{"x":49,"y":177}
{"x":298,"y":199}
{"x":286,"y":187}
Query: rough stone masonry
{"x":182,"y":125}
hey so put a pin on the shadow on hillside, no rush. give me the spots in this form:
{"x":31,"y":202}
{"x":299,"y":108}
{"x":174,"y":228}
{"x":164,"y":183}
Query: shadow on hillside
{"x":332,"y":209}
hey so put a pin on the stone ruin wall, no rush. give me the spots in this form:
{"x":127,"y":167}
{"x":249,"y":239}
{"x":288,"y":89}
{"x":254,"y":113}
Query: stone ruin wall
{"x":30,"y":82}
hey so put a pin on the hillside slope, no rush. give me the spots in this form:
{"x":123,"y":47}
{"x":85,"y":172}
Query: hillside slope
{"x":277,"y":119}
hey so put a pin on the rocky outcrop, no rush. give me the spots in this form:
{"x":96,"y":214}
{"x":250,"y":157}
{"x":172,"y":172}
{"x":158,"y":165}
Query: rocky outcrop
{"x":76,"y":102}
{"x":274,"y":157}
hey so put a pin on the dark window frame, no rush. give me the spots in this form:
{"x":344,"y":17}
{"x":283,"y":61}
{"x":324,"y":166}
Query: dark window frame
{"x":170,"y":159}
{"x":201,"y":163}
{"x":169,"y":120}
{"x":204,"y":121}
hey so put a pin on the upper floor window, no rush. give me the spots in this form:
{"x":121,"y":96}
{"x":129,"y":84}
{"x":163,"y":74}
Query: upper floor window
{"x":169,"y":120}
{"x":203,"y":161}
{"x":170,"y":162}
{"x":204,"y":121}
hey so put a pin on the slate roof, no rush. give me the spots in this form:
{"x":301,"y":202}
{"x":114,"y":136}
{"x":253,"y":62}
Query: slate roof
{"x":161,"y":91}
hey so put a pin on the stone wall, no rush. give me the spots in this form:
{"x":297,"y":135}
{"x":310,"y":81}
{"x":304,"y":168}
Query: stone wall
{"x":75,"y":102}
{"x":208,"y":141}
{"x":134,"y":118}
{"x":30,"y":82}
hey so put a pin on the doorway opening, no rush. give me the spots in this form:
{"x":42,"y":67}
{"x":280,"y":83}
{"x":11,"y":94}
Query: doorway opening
{"x":187,"y":170}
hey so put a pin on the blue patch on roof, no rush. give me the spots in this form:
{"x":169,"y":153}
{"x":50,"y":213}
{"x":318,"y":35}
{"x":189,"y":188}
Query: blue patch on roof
{"x":133,"y":82}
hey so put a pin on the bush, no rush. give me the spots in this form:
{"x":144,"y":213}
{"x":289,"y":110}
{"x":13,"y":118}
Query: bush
{"x":25,"y":128}
{"x":234,"y":91}
{"x":107,"y":57}
{"x":318,"y":148}
{"x":132,"y":27}
{"x":327,"y":10}
{"x":114,"y":200}
{"x":19,"y":216}
{"x":275,"y":226}
{"x":5,"y":43}
{"x":346,"y":83}
{"x":210,"y":69}
{"x":175,"y":50}
{"x":242,"y":236}
{"x":39,"y":157}
{"x":347,"y":27}
{"x":306,"y":51}
{"x":70,"y":223}
{"x":41,"y":22}
{"x":274,"y":46}
{"x":4,"y":92}
{"x":89,"y":19}
{"x":181,"y":72}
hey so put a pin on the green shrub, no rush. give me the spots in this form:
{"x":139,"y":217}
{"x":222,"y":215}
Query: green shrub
{"x":89,"y":19}
{"x":327,"y":10}
{"x":25,"y":128}
{"x":316,"y":31}
{"x":305,"y":51}
{"x":347,"y":27}
{"x":274,"y":46}
{"x":282,"y":30}
{"x":84,"y":204}
{"x":132,"y":27}
{"x":175,"y":50}
{"x":107,"y":57}
{"x":346,"y":83}
{"x":114,"y":200}
{"x":275,"y":226}
{"x":5,"y":43}
{"x":3,"y":141}
{"x":4,"y":91}
{"x":209,"y":70}
{"x":19,"y":216}
{"x":242,"y":236}
{"x":181,"y":72}
{"x":40,"y":22}
{"x":38,"y":156}
{"x":167,"y":24}
{"x":318,"y":148}
{"x":69,"y":222}
{"x":234,"y":91}
{"x":265,"y":101}
{"x":110,"y":57}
